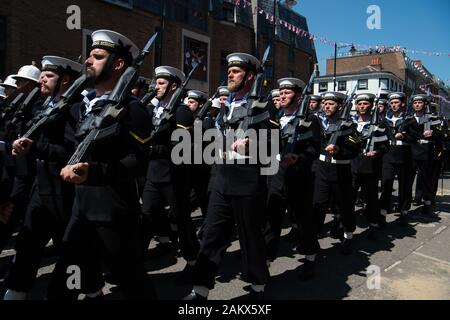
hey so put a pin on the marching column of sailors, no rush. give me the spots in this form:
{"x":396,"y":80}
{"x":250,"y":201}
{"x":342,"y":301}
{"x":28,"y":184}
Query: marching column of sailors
{"x":102,"y":213}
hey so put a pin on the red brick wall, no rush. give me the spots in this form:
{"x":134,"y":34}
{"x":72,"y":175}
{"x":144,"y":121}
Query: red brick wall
{"x":392,"y":61}
{"x":35,"y":29}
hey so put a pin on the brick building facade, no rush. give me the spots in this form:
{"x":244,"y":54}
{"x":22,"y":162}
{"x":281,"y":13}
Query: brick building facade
{"x":396,"y":63}
{"x":32,"y":29}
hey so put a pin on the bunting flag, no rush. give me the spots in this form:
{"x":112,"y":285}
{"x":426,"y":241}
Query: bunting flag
{"x":428,"y":92}
{"x":305,"y":34}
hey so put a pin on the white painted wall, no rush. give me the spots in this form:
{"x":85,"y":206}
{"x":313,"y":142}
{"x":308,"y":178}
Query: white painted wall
{"x":373,"y":84}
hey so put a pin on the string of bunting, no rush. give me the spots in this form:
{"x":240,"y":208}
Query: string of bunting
{"x":303,"y":33}
{"x":426,"y":90}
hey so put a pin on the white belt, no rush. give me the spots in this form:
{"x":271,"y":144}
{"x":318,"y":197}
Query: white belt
{"x":401,"y":143}
{"x":422,"y":141}
{"x":324,"y":158}
{"x":232,"y":155}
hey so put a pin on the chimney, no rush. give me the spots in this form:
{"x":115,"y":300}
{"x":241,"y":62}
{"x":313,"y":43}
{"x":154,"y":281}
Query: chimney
{"x":376,"y":61}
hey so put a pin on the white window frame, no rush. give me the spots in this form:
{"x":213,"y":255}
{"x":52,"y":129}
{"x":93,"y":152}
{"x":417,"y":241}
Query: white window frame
{"x":194,"y":83}
{"x":366,"y":86}
{"x":320,"y":86}
{"x":385,"y":85}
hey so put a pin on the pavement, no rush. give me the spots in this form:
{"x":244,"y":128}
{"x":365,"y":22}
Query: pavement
{"x":404,"y":263}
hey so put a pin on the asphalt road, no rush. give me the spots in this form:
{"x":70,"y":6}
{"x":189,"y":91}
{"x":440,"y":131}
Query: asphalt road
{"x":411,"y":262}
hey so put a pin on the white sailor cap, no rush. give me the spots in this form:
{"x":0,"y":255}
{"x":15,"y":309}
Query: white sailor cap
{"x":170,"y":72}
{"x":215,"y":103}
{"x":420,"y":97}
{"x":382,"y":101}
{"x":364,"y":97}
{"x":29,"y":72}
{"x":115,"y":42}
{"x":243,"y":60}
{"x":9,"y":82}
{"x":2,"y":92}
{"x":275,"y":93}
{"x":223,"y":91}
{"x":61,"y":65}
{"x":397,"y":95}
{"x":315,"y":97}
{"x":197,"y":95}
{"x":290,"y":83}
{"x":335,"y":96}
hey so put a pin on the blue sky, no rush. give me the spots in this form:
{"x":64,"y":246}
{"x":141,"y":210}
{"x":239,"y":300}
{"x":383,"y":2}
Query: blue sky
{"x":413,"y":24}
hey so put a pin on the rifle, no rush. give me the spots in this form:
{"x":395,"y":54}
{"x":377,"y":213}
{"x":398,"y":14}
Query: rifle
{"x":21,"y":112}
{"x":9,"y":111}
{"x":299,"y":117}
{"x":106,"y":124}
{"x":51,"y":113}
{"x":343,"y":118}
{"x":408,"y":116}
{"x":254,"y":101}
{"x":19,"y":116}
{"x":430,"y":118}
{"x":162,"y":124}
{"x":151,"y":93}
{"x":409,"y":106}
{"x":202,"y":113}
{"x":373,"y":127}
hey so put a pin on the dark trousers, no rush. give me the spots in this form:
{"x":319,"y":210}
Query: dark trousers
{"x":369,"y":193}
{"x":19,"y":189}
{"x":200,"y":181}
{"x":436,"y":173}
{"x":298,"y":197}
{"x":224,"y":211}
{"x":155,"y":198}
{"x":92,"y":244}
{"x":300,"y":200}
{"x":339,"y":188}
{"x":41,"y":224}
{"x":425,"y":182}
{"x":276,"y":207}
{"x":7,"y":230}
{"x":403,"y":172}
